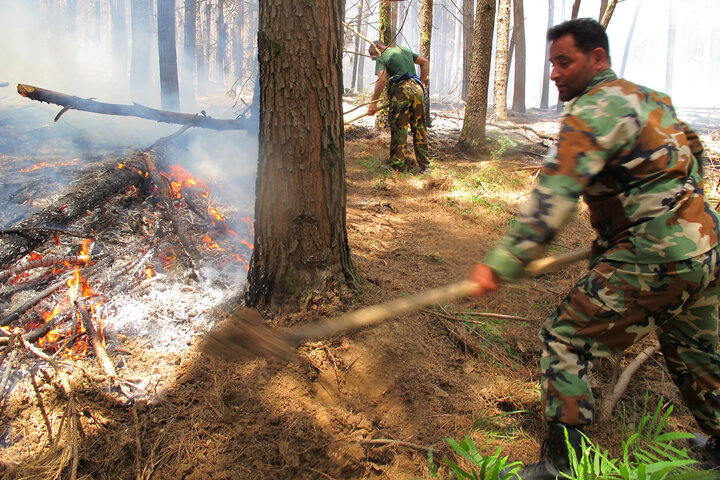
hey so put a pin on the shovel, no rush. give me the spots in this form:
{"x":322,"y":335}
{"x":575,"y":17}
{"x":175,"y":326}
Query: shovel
{"x":244,"y":336}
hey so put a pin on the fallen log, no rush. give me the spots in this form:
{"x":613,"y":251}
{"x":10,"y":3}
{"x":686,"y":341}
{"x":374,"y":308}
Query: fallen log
{"x":71,"y":102}
{"x":86,"y":196}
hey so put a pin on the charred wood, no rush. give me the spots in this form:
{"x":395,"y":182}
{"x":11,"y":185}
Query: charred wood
{"x":70,"y":102}
{"x":86,"y":196}
{"x":44,"y":263}
{"x":57,"y":230}
{"x":167,"y":204}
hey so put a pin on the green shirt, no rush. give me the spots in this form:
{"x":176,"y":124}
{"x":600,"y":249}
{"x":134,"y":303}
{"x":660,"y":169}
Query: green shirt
{"x":637,"y":166}
{"x":396,"y":61}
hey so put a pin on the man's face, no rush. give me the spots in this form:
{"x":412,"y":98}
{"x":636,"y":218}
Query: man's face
{"x":572,"y":69}
{"x":373,"y":52}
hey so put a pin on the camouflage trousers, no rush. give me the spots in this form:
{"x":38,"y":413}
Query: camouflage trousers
{"x":406,"y":109}
{"x":617,"y":304}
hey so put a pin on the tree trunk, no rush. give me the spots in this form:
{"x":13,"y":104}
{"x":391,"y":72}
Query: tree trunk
{"x":385,"y":26}
{"x":467,"y":11}
{"x":118,"y":16}
{"x":169,"y":89}
{"x":518,"y":104}
{"x":203,"y":49}
{"x":426,"y":20}
{"x":358,"y":58}
{"x":472,"y":136}
{"x":140,"y":14}
{"x":187,"y":72}
{"x":608,"y":13}
{"x":221,"y":52}
{"x":301,"y":243}
{"x":603,"y":8}
{"x":546,"y":67}
{"x":238,"y":51}
{"x":501,"y":60}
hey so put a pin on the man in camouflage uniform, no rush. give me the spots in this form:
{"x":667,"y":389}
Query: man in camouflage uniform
{"x":655,"y":264}
{"x":395,"y":66}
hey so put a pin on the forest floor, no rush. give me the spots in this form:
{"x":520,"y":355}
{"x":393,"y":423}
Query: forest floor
{"x":371,"y":403}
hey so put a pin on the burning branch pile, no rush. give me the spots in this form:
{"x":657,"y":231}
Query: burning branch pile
{"x":67,"y":269}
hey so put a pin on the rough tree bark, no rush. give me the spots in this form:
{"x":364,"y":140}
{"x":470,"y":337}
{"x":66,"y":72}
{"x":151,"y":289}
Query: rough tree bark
{"x":169,"y":87}
{"x":501,"y":60}
{"x":301,"y":243}
{"x":467,"y":11}
{"x":385,"y":25}
{"x":610,"y":8}
{"x":472,"y":136}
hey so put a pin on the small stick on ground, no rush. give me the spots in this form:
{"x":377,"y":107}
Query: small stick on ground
{"x":41,"y":406}
{"x":100,"y":352}
{"x":624,"y":380}
{"x":390,"y":441}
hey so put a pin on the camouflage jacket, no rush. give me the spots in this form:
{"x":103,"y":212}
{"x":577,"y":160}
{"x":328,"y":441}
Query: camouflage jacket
{"x":638,"y":168}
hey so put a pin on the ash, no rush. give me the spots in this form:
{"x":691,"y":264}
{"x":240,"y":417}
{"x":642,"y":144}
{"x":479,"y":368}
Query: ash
{"x":168,"y":315}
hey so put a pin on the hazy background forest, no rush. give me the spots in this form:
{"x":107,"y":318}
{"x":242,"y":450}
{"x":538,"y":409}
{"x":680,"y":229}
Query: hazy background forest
{"x":85,"y":47}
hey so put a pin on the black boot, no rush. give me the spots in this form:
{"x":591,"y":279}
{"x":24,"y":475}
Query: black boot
{"x":708,"y":447}
{"x":555,"y":454}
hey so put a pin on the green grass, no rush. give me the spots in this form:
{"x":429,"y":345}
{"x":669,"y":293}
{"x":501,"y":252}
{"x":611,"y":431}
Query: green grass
{"x":650,"y":451}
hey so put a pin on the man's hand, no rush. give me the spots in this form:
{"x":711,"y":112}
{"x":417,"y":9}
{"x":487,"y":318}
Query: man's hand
{"x":485,"y":279}
{"x":372,"y":108}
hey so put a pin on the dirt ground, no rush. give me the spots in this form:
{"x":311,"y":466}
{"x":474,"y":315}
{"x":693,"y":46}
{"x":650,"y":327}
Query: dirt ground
{"x":372,"y":403}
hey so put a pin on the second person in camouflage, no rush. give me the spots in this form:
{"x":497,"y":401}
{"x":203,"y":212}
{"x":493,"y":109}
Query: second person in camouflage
{"x":395,"y":67}
{"x":655,"y":263}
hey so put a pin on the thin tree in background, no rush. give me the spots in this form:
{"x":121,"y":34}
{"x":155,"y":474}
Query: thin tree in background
{"x":238,"y":51}
{"x":575,"y":9}
{"x":358,"y":58}
{"x":222,"y":40}
{"x":546,"y":66}
{"x":140,"y":17}
{"x":501,"y":60}
{"x":603,"y":8}
{"x":629,"y":39}
{"x":202,"y":58}
{"x":610,"y":8}
{"x":301,"y":243}
{"x":518,"y":104}
{"x":472,"y":136}
{"x":467,"y":17}
{"x":670,"y":55}
{"x":426,"y":20}
{"x":169,"y":91}
{"x":187,"y":61}
{"x":118,"y":16}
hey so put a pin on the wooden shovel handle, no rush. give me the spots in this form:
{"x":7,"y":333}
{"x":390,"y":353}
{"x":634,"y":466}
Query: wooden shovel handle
{"x":377,"y":313}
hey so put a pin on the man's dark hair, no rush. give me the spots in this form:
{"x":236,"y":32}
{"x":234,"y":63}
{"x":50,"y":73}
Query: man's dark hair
{"x":587,"y":33}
